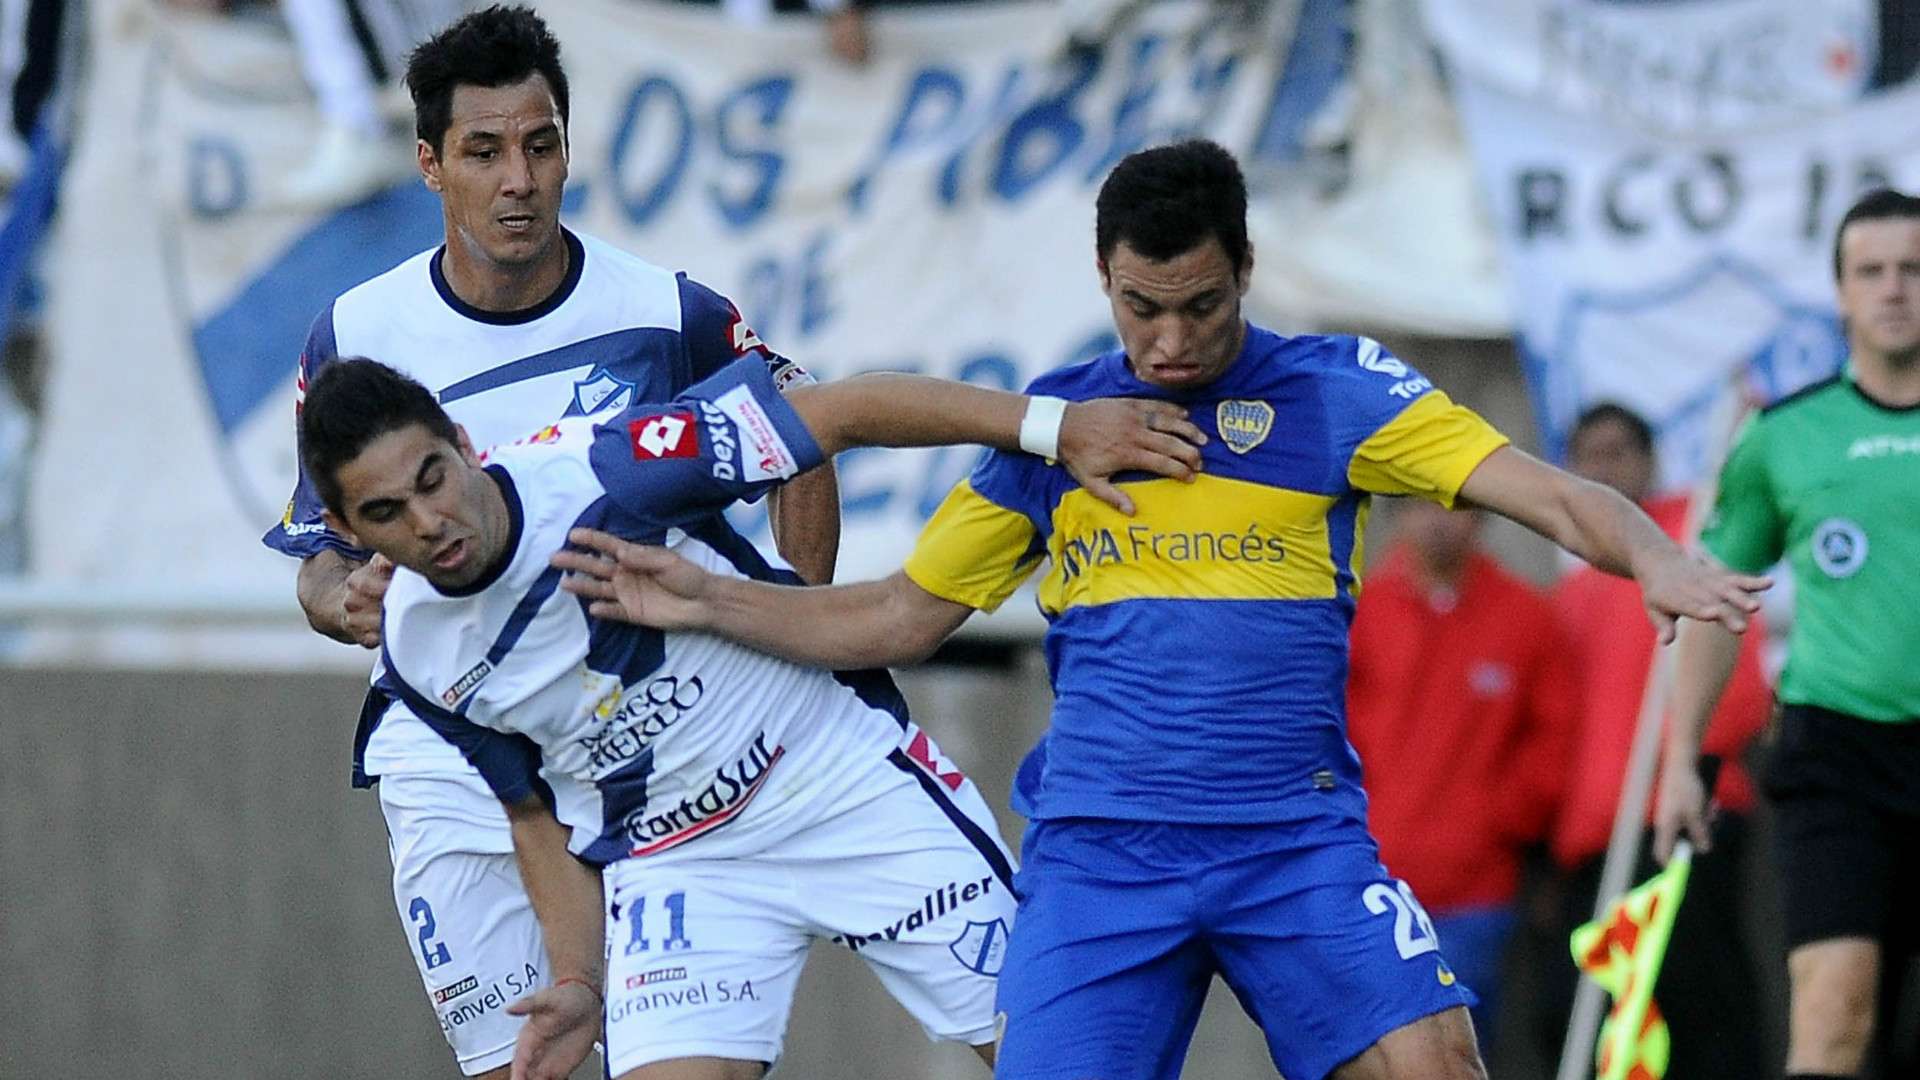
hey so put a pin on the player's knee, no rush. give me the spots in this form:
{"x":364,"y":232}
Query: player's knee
{"x":1835,"y":995}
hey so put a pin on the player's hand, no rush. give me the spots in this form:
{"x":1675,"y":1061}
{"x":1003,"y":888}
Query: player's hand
{"x":562,"y":1024}
{"x":1681,"y":805}
{"x":364,"y":600}
{"x":635,"y":583}
{"x":1695,"y":587}
{"x":1114,"y":435}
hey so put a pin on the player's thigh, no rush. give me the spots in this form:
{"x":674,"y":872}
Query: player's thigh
{"x":917,"y":883}
{"x":1437,"y":1047}
{"x":702,"y":961}
{"x":469,"y":927}
{"x":1105,"y":976}
{"x":698,"y":1069}
{"x":1326,"y":951}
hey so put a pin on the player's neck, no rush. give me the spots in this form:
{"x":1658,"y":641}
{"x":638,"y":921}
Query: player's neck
{"x":1888,"y":378}
{"x":490,"y":286}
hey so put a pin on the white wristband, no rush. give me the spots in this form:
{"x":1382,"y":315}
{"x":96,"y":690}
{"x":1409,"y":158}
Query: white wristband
{"x":1040,"y":428}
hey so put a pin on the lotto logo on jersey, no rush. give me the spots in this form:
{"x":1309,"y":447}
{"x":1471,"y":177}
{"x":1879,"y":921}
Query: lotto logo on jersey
{"x":742,"y":337}
{"x":668,"y":435}
{"x":922,"y":752}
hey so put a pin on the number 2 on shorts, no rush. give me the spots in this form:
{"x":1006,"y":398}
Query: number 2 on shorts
{"x":1412,"y":930}
{"x":432,"y":952}
{"x":676,"y":905}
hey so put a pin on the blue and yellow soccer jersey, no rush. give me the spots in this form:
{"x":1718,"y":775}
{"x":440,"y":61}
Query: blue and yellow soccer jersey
{"x":1198,"y":650}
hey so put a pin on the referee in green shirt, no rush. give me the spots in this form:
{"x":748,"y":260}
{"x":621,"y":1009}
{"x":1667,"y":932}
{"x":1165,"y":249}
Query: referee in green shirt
{"x":1830,"y":478}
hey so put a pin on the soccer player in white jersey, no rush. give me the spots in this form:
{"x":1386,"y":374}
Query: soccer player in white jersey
{"x":736,"y":806}
{"x":515,"y":322}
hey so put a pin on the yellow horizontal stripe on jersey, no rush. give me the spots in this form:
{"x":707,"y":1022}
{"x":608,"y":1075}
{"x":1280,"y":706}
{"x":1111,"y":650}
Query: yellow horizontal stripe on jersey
{"x":1428,"y":450}
{"x":973,"y":551}
{"x":1213,"y":539}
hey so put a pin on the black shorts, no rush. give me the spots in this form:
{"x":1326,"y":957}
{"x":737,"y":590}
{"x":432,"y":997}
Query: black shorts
{"x":1846,"y":801}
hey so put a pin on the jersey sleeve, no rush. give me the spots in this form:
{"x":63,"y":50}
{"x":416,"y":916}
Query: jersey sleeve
{"x":731,"y":437}
{"x":1400,"y":435}
{"x":981,"y":543}
{"x":716,"y":334}
{"x":301,"y":532}
{"x":1746,"y":529}
{"x":508,"y":761}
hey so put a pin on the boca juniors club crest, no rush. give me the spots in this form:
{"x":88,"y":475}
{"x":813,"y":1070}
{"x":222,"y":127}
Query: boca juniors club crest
{"x":982,"y":947}
{"x":1244,"y":424}
{"x":601,"y":391}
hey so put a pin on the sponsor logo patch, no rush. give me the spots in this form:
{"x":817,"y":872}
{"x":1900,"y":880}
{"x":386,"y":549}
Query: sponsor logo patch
{"x":601,"y":391}
{"x":465,"y":684}
{"x":933,"y":907}
{"x":763,"y":453}
{"x":657,"y":975}
{"x":1243,"y":424}
{"x":448,"y":993}
{"x":925,"y":754}
{"x":667,"y":435}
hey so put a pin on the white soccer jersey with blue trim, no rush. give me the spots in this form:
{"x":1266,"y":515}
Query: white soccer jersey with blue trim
{"x":642,"y":740}
{"x":617,"y":331}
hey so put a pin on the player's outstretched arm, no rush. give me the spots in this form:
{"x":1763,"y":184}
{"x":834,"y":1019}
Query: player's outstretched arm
{"x":869,"y":624}
{"x":1704,"y":660}
{"x":1092,"y":439}
{"x":804,"y":513}
{"x":563,"y":1019}
{"x":1601,"y":526}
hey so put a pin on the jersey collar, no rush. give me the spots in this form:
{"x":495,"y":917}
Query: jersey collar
{"x":576,"y":262}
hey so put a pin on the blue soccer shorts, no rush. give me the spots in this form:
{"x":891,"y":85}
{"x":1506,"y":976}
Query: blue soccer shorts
{"x":1122,"y":926}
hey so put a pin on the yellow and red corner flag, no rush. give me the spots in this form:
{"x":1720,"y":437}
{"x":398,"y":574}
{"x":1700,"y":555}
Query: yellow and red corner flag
{"x":1622,"y":952}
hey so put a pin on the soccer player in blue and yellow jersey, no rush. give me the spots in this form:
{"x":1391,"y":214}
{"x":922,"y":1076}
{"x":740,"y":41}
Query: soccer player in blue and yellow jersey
{"x":1196,"y":808}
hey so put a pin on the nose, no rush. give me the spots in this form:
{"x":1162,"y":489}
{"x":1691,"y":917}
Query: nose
{"x":426,"y":522}
{"x":516,"y":179}
{"x":1173,"y":336}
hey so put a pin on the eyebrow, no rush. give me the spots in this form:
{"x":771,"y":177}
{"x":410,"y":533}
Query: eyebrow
{"x":1140,"y":297}
{"x":419,"y":478}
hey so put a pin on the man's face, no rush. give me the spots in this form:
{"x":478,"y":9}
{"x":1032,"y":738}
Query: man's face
{"x":1179,"y":319}
{"x":1443,"y":537}
{"x":1880,"y":285}
{"x":500,"y":172}
{"x":1606,"y":452}
{"x":424,"y":503}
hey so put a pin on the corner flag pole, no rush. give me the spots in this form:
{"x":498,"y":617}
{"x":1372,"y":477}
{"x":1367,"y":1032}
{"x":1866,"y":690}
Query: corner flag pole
{"x":1623,"y":847}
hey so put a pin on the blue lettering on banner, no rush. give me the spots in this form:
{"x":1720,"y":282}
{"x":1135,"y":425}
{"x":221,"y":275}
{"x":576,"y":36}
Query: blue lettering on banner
{"x":642,"y":201}
{"x":1045,"y":135}
{"x":762,"y":102}
{"x":216,"y":177}
{"x":934,"y":87}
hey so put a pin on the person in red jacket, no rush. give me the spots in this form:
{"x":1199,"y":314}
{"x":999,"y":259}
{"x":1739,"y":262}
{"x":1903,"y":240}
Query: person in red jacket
{"x":1706,"y":986}
{"x":1459,"y":701}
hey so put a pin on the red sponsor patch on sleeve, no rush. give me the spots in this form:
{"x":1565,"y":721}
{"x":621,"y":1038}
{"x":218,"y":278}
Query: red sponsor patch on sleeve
{"x":666,"y":435}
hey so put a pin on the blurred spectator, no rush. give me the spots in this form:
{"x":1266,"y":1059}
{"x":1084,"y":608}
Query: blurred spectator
{"x":349,"y":50}
{"x":1459,"y":703}
{"x":845,"y":20}
{"x":1706,"y":987}
{"x":30,"y":52}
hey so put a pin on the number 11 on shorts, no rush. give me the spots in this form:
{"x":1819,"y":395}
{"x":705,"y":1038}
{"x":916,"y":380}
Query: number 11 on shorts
{"x":676,"y":905}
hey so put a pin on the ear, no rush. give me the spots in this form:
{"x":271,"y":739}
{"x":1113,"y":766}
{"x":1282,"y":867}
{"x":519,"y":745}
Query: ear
{"x":465,"y":443}
{"x":333,"y":522}
{"x":1244,"y":279}
{"x":429,"y":164}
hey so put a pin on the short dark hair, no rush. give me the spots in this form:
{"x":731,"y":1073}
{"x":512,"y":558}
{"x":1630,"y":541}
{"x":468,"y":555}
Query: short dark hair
{"x":349,"y":404}
{"x":1876,"y":205}
{"x":1612,"y":412}
{"x":495,"y":46}
{"x":1166,"y":201}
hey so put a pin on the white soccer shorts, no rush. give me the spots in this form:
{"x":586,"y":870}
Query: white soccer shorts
{"x":469,"y":925}
{"x":704,"y":954}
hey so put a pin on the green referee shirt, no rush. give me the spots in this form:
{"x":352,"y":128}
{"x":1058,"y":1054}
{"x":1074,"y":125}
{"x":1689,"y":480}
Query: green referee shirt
{"x":1831,"y":479}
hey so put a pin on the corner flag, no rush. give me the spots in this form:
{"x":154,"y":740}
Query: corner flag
{"x":1622,"y":952}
